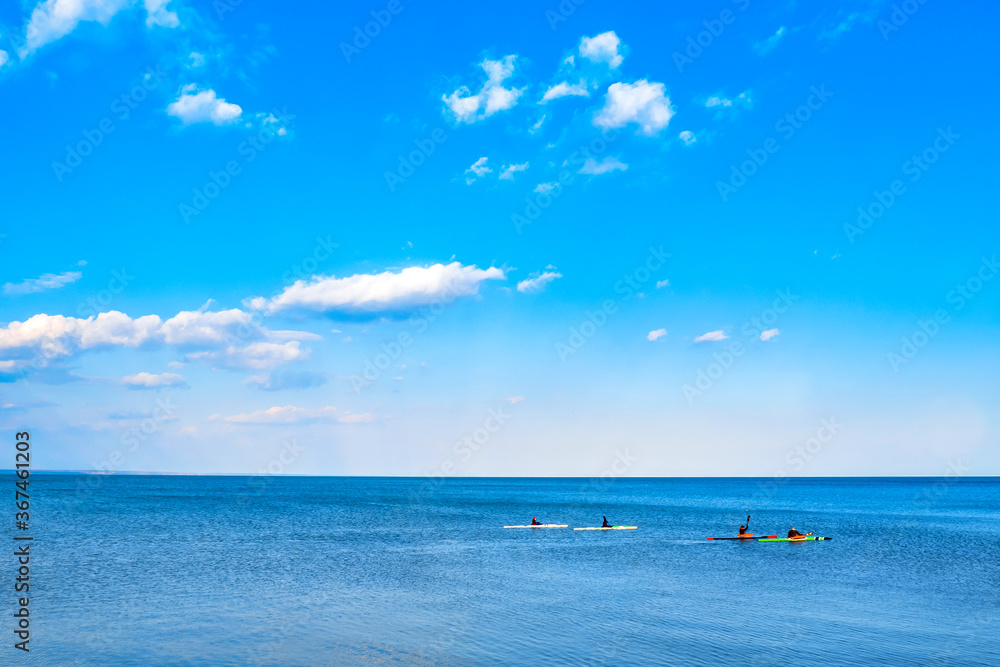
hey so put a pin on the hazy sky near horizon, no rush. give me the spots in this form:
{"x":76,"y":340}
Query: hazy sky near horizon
{"x":719,"y":238}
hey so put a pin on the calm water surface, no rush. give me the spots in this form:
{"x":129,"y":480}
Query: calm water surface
{"x":308,"y":571}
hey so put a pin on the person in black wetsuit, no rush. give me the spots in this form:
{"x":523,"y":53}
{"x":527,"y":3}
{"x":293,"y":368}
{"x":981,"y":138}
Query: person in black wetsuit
{"x":744,"y":529}
{"x":795,"y":533}
{"x":606,"y":524}
{"x":535,"y":522}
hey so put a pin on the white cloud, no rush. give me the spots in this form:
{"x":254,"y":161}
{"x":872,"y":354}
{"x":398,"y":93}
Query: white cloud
{"x":595,"y":168}
{"x":384,"y":292}
{"x":769,"y":334}
{"x":508,"y":171}
{"x":203,"y":106}
{"x":602,"y":48}
{"x":3,"y":57}
{"x":768,"y":44}
{"x":478,"y":170}
{"x":662,"y":283}
{"x":642,"y":102}
{"x":152,"y":381}
{"x":711,"y":336}
{"x":197,"y":59}
{"x":537,"y":284}
{"x":537,"y":126}
{"x":53,"y":19}
{"x":545,"y":188}
{"x":289,"y":414}
{"x":688,"y":137}
{"x":514,"y":400}
{"x":227,"y":338}
{"x":467,"y":107}
{"x":721,"y":104}
{"x":564,"y":89}
{"x":658,"y":333}
{"x":157,"y":14}
{"x":44,"y":282}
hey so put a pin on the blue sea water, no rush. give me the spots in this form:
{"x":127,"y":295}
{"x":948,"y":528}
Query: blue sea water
{"x":132,"y":569}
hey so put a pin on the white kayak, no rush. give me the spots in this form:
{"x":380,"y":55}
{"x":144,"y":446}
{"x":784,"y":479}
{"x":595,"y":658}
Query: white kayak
{"x":543,"y":525}
{"x":609,"y":528}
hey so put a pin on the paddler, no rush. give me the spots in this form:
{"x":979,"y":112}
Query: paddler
{"x":743,"y":529}
{"x":606,"y":524}
{"x":795,"y":533}
{"x":535,"y":522}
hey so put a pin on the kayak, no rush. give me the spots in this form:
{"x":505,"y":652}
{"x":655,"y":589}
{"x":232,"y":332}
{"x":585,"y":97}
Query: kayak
{"x":792,"y":539}
{"x":543,"y":525}
{"x":748,"y":536}
{"x":609,"y":528}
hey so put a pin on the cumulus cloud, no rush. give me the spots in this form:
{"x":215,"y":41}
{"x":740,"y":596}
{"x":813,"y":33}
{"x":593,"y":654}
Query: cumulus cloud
{"x":44,"y":282}
{"x":203,"y":106}
{"x":602,"y":48}
{"x":545,"y":188}
{"x":643,"y":103}
{"x":662,"y":283}
{"x":537,"y":283}
{"x":53,"y":19}
{"x":609,"y":164}
{"x":289,"y":414}
{"x":711,"y":336}
{"x":508,"y":171}
{"x":383,"y":292}
{"x":564,"y":89}
{"x":769,"y":334}
{"x":467,"y":107}
{"x":654,"y":335}
{"x":688,"y":137}
{"x":768,"y":44}
{"x":153,"y":381}
{"x":478,"y":169}
{"x":226,"y":338}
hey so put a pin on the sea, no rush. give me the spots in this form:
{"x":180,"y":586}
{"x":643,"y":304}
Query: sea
{"x":278,"y":570}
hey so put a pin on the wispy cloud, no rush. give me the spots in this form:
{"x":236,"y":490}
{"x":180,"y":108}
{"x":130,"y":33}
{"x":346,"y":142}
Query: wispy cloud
{"x":538,"y":283}
{"x":564,"y":89}
{"x":769,"y":334}
{"x":766,"y":46}
{"x":153,"y":381}
{"x":289,"y":414}
{"x":478,"y":169}
{"x":44,"y":282}
{"x":595,"y":168}
{"x":656,"y":334}
{"x":508,"y":171}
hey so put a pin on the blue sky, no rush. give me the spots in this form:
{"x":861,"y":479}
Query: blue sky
{"x":729,"y":238}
